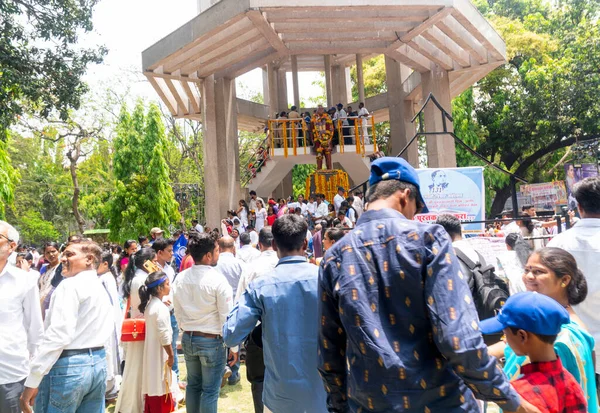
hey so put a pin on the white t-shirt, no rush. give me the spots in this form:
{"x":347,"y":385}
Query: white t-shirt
{"x":337,"y":202}
{"x":243,"y":215}
{"x":261,"y":215}
{"x":199,"y":228}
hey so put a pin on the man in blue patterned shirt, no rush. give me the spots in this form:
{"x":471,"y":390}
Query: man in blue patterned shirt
{"x":398,"y":328}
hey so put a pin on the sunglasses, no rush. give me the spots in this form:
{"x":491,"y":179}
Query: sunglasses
{"x":5,"y":237}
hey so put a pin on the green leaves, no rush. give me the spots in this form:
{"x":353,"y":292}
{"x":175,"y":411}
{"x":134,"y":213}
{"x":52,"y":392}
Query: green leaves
{"x":143,"y":197}
{"x":40,"y":66}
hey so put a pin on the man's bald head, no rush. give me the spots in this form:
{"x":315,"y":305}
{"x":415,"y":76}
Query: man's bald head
{"x":226,"y":243}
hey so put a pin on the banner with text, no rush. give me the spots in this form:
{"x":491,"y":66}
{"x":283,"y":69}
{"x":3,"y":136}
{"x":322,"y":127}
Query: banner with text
{"x":456,"y":191}
{"x":546,"y":196}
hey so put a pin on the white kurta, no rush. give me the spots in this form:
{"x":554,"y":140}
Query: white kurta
{"x":130,"y":396}
{"x":158,"y":334}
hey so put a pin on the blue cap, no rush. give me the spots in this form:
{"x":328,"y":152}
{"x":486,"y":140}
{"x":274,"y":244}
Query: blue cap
{"x":387,"y":168}
{"x":529,"y":311}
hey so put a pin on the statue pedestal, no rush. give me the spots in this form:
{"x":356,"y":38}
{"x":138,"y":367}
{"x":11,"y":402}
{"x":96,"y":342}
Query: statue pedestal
{"x":326,"y":182}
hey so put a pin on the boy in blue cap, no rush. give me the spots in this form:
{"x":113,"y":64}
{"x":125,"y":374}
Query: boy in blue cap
{"x":531,"y":322}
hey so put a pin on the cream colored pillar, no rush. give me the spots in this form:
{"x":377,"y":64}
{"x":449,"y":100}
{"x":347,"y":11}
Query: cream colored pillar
{"x":360,"y":80}
{"x":282,"y":90}
{"x":226,"y":100}
{"x":295,"y":83}
{"x":328,"y":85}
{"x":441,"y":152}
{"x":273,"y":95}
{"x":216,"y":176}
{"x":401,"y":113}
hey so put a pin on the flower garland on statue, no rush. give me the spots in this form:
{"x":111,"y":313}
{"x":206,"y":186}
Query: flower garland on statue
{"x":323,"y":134}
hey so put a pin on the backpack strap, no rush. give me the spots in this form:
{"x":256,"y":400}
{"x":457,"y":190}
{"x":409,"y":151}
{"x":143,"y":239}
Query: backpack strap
{"x":463,"y":257}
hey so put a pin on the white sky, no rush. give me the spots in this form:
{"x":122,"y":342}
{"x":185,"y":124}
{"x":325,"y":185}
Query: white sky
{"x":127,"y":27}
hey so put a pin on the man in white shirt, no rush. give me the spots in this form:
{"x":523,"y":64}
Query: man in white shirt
{"x":321,"y":211}
{"x":247,"y":252}
{"x":342,"y":115}
{"x":583,"y":242}
{"x":164,"y":254}
{"x":363,"y":115}
{"x":202,"y":299}
{"x":253,"y":235}
{"x":261,"y":266}
{"x":196,"y":225}
{"x":69,"y":371}
{"x":21,"y":325}
{"x":339,"y":198}
{"x":358,"y":204}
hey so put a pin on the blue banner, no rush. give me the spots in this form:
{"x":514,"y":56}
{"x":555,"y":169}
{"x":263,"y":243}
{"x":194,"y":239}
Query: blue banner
{"x":456,"y":191}
{"x":179,"y":249}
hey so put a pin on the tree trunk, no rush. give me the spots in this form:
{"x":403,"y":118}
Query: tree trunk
{"x":73,"y":156}
{"x":503,"y":194}
{"x":499,"y":201}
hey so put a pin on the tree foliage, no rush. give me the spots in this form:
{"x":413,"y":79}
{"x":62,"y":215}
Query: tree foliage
{"x":40,"y":65}
{"x":143,"y":197}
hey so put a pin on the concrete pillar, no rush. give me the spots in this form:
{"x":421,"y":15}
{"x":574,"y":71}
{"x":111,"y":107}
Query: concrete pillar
{"x":401,"y":113}
{"x":296,"y":85}
{"x":348,"y":78}
{"x":226,"y":102}
{"x":360,"y":80}
{"x":282,"y":90}
{"x":339,"y":85}
{"x":441,"y":152}
{"x":328,"y":85}
{"x":215,"y":156}
{"x":273,"y":94}
{"x":265,"y":86}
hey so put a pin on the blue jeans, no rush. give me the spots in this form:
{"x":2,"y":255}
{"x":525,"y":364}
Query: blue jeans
{"x":175,"y":328}
{"x":75,"y":384}
{"x":205,"y":360}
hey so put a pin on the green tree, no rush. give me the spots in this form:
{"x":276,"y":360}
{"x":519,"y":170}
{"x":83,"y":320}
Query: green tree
{"x":143,"y":197}
{"x":40,"y":65}
{"x":8,"y":179}
{"x":33,"y":229}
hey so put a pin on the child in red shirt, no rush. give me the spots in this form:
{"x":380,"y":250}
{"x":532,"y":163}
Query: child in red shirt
{"x":531,"y":322}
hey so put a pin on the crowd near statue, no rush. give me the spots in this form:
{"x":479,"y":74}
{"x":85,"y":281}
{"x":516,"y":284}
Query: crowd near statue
{"x":341,"y":305}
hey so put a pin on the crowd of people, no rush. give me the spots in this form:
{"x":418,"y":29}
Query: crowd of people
{"x":389,"y":319}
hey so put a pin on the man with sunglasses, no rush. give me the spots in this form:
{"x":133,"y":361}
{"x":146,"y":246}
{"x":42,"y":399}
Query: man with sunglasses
{"x":21,"y":326}
{"x":398,"y":330}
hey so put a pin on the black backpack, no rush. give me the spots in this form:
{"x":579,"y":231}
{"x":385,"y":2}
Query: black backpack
{"x":489,"y":291}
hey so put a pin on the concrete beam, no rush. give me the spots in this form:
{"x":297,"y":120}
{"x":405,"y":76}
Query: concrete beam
{"x":163,"y":93}
{"x":308,"y":27}
{"x":258,"y":46}
{"x":431,"y":52}
{"x":448,"y":46}
{"x":282,"y":90}
{"x":284,"y":15}
{"x":463,"y":38}
{"x":238,"y":27}
{"x":407,"y":55}
{"x":215,"y":55}
{"x":260,"y":59}
{"x":470,"y":18}
{"x":427,"y":24}
{"x":338,"y":36}
{"x":200,"y":28}
{"x":259,"y":21}
{"x":367,"y":4}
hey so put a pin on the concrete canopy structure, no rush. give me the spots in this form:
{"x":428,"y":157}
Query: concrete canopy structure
{"x":430,"y":46}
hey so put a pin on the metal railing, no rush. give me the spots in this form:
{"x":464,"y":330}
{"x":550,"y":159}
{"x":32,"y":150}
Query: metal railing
{"x":256,"y":161}
{"x":295,"y":136}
